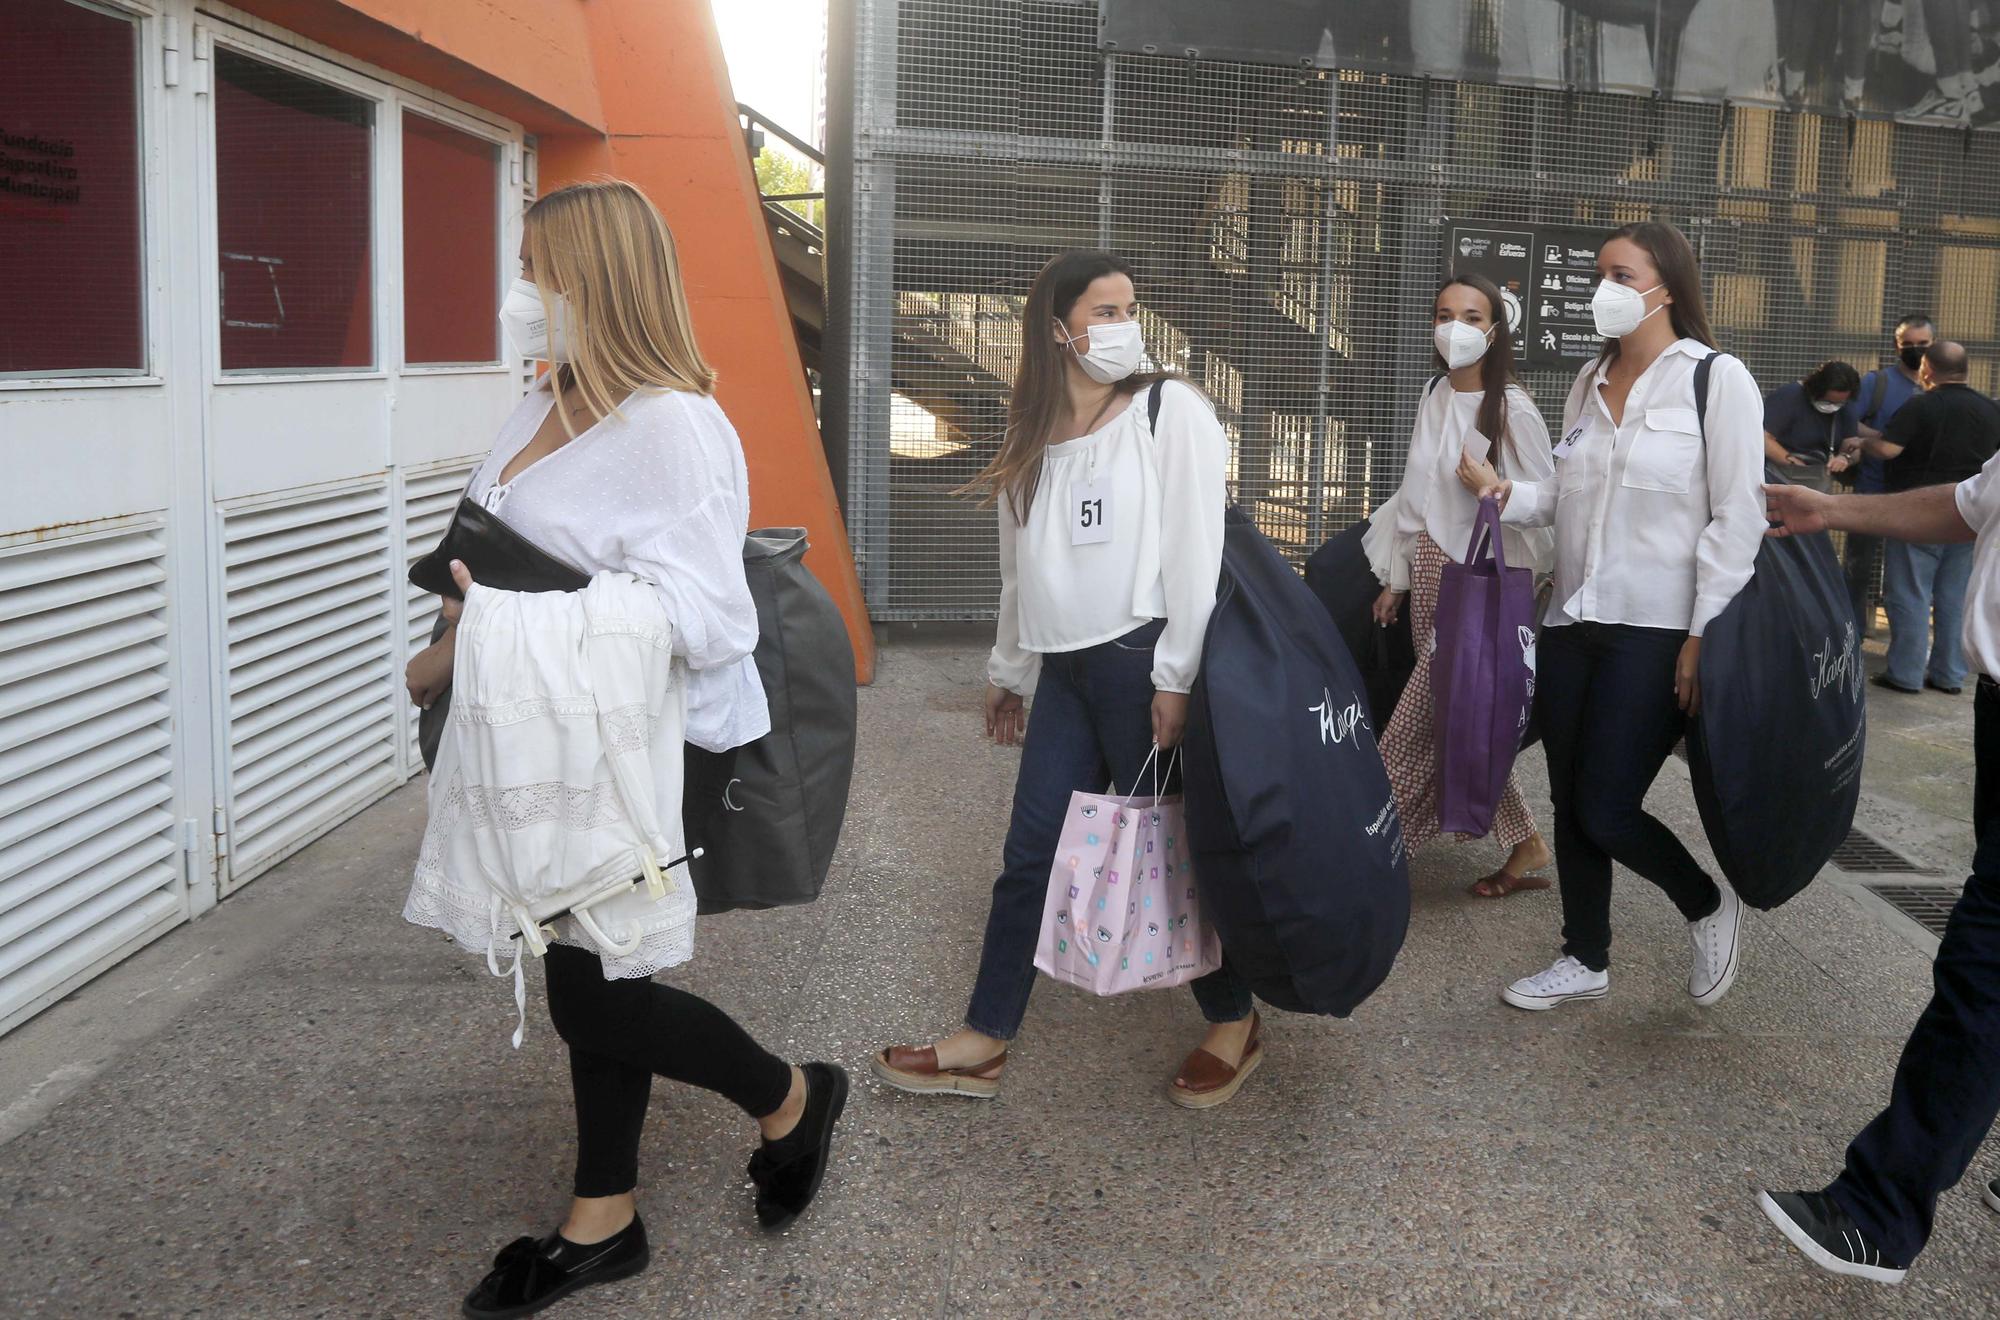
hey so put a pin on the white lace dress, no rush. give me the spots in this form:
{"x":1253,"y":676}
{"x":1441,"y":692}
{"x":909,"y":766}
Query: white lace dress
{"x":662,"y":494}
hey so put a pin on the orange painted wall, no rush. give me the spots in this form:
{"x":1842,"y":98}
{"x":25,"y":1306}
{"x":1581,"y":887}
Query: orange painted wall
{"x":639,"y":89}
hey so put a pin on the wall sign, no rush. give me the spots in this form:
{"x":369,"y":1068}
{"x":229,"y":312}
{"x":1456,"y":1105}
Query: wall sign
{"x":1546,"y":275}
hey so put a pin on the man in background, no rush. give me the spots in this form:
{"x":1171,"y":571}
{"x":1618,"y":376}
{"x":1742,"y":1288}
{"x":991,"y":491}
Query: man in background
{"x":1941,"y":438}
{"x":1884,"y":391}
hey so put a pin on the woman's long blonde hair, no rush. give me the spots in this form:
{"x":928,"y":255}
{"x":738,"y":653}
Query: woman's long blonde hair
{"x":604,"y":247}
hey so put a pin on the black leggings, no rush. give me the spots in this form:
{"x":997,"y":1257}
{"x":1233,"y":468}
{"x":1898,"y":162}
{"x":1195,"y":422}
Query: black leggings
{"x":1605,"y":695}
{"x":622,"y":1032}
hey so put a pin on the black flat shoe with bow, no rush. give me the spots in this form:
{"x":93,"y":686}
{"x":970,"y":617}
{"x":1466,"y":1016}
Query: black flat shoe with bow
{"x":528,"y":1275}
{"x":788,"y":1171}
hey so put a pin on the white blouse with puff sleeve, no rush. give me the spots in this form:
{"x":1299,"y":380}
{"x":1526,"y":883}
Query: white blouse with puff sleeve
{"x":1161,"y":497}
{"x":662,"y":493}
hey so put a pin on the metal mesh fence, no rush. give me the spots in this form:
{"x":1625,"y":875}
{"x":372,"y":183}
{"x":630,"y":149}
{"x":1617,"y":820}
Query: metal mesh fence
{"x":1287,"y":226}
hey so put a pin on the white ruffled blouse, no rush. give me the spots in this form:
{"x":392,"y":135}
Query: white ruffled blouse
{"x":662,"y":493}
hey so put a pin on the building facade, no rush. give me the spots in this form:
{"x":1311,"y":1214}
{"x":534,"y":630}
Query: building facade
{"x":1287,"y":177}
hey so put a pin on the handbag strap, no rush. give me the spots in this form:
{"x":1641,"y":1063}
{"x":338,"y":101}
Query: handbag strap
{"x":1152,"y":762}
{"x":1486,"y":539}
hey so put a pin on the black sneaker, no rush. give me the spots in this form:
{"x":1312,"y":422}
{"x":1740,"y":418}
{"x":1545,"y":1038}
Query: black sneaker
{"x":529,"y":1275}
{"x":1884,"y":681}
{"x":788,"y":1171}
{"x":1936,"y":686}
{"x":1991,"y":1193}
{"x":1830,"y":1240}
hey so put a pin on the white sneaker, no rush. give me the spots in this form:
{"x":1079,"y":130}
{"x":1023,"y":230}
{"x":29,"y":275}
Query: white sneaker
{"x":1991,"y":1193}
{"x":1717,"y":944}
{"x":1568,"y":979}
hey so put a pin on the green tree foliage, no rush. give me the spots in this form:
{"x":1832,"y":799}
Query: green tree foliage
{"x":779,"y":172}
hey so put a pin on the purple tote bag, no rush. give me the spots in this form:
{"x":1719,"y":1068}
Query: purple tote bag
{"x":1482,"y":676}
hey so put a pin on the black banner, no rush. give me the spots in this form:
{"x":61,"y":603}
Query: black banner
{"x":1927,"y":62}
{"x":1546,"y":274}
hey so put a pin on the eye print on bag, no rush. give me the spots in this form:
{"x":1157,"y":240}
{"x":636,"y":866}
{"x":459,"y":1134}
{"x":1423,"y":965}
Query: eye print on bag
{"x":1090,"y":813}
{"x":1103,"y":935}
{"x":1156,"y":818}
{"x":1152,"y":928}
{"x":1062,"y":918}
{"x":1119,"y":820}
{"x":1097,"y":873}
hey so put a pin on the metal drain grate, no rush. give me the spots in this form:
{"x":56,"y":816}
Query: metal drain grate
{"x":1927,"y":905}
{"x":1863,"y":854}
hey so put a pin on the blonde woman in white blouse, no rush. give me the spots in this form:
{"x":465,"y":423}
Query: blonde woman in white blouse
{"x":620,"y":461}
{"x":1474,"y":407}
{"x":1110,"y":547}
{"x":1658,"y":511}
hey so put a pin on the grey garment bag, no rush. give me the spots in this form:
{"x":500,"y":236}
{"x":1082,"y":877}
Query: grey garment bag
{"x":768,"y":814}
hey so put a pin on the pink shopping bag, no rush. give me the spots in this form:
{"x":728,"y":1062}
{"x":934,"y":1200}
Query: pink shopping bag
{"x":1122,"y":911}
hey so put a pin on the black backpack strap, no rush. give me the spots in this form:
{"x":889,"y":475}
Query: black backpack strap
{"x":1881,"y":392}
{"x":1701,"y":370}
{"x":1430,"y":388}
{"x":1153,"y":397}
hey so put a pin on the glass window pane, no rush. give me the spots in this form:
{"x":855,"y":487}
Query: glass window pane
{"x":69,"y":192}
{"x":451,"y":245}
{"x":292,"y":204}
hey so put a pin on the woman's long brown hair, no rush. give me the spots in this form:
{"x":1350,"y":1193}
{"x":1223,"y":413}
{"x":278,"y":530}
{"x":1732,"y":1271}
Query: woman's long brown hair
{"x":1041,"y":389}
{"x":1673,"y":256}
{"x":1496,"y":369}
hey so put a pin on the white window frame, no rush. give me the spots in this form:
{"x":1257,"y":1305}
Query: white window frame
{"x":507,"y":164}
{"x":392,"y":94}
{"x":149,"y":107}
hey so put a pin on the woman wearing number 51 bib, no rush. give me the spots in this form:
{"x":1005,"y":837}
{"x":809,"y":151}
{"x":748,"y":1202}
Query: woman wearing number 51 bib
{"x":1110,"y":546}
{"x":1658,"y":511}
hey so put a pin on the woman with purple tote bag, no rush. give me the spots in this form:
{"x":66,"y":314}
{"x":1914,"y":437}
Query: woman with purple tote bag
{"x":1474,"y":408}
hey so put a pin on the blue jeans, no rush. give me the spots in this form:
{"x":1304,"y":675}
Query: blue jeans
{"x":1923,"y":587}
{"x":1092,"y":724}
{"x":1947,"y":1087}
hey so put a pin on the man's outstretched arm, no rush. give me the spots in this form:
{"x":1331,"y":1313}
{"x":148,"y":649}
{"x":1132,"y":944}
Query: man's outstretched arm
{"x":1928,"y":515}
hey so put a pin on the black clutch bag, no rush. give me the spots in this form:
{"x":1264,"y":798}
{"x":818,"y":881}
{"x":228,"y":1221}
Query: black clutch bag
{"x":497,"y":556}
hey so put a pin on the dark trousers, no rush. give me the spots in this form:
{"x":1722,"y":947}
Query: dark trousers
{"x":620,"y":1033}
{"x":1863,"y":561}
{"x":1092,"y":724}
{"x":1605,"y":697}
{"x":1947,"y":1088}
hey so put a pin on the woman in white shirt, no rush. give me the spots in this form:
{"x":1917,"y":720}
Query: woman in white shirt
{"x":1658,"y":512}
{"x":1110,"y":547}
{"x":1477,"y":408}
{"x":620,"y":461}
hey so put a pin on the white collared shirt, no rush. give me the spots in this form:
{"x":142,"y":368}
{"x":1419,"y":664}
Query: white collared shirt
{"x":1979,"y":504}
{"x":1431,"y":498}
{"x":1654,"y":528}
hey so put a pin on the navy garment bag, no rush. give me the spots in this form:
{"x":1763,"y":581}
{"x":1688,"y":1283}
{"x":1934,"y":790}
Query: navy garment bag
{"x":1297,"y":845}
{"x":1338,"y":573}
{"x":1775,"y":751}
{"x":1776,"y":748}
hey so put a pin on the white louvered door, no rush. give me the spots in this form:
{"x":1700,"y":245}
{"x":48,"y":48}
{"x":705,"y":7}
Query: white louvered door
{"x":90,"y":863}
{"x":312,"y":708}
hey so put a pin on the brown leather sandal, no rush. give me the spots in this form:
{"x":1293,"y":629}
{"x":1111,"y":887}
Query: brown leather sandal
{"x":1504,"y":882}
{"x":914,"y":1068}
{"x":1207,"y":1081}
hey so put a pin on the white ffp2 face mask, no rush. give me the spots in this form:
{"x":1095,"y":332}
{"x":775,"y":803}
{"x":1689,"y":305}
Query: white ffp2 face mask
{"x":1826,"y":407}
{"x":1619,"y":309}
{"x":1459,"y":344}
{"x":534,"y":333}
{"x":1115,"y":351}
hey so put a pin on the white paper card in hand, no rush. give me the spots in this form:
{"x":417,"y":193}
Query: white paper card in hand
{"x":1089,"y":512}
